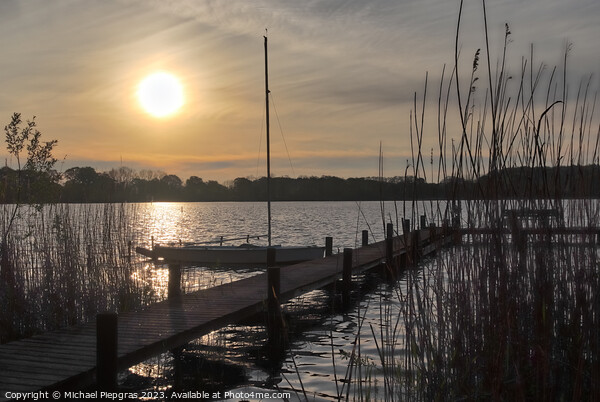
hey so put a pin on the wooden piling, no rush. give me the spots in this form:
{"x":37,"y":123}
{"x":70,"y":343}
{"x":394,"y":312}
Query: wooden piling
{"x":106,"y":351}
{"x":403,"y":260}
{"x":273,"y":275}
{"x":390,"y":230}
{"x":174,"y":286}
{"x":346,"y":277}
{"x":405,"y":226}
{"x":414,"y":246}
{"x":390,"y":265}
{"x":423,"y":222}
{"x":129,"y":251}
{"x":273,"y":288}
{"x":275,"y":325}
{"x":365,"y":238}
{"x":328,"y":246}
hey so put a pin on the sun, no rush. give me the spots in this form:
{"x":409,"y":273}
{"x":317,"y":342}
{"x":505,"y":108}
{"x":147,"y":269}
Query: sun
{"x":160,"y":94}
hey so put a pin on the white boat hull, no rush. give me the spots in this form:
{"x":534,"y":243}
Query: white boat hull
{"x":236,"y":255}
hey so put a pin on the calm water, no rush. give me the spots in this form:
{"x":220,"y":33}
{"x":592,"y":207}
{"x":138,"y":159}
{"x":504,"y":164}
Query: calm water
{"x":293,"y":222}
{"x":316,"y":362}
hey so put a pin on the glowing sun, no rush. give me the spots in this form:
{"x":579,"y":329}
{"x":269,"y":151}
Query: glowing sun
{"x":160,"y":94}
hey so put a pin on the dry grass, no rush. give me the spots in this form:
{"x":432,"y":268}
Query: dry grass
{"x":63,"y":264}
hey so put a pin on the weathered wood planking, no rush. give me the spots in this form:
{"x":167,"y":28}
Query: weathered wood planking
{"x":66,"y":359}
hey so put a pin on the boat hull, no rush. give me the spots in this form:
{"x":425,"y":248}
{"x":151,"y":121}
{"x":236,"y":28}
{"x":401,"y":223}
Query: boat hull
{"x":225,"y":255}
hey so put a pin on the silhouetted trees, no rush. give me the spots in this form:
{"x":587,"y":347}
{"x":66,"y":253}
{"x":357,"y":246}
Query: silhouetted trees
{"x":85,"y":184}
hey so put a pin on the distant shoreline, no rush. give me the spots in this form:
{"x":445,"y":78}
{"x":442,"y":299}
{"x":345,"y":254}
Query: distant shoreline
{"x":85,"y":185}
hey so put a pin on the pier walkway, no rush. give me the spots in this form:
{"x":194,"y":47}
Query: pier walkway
{"x":66,"y":359}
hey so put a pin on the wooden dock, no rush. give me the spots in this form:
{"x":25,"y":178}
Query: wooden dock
{"x":66,"y":359}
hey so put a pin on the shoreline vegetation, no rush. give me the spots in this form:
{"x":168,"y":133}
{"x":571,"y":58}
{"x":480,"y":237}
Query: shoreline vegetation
{"x":86,"y":185}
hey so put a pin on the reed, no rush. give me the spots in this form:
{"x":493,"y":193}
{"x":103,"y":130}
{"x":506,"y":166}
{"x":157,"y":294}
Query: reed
{"x":62,"y":264}
{"x":504,"y":317}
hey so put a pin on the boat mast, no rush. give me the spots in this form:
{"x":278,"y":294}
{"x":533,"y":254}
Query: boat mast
{"x":268,"y":141}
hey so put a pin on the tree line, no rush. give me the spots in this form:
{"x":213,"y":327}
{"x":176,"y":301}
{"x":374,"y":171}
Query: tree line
{"x":86,"y":185}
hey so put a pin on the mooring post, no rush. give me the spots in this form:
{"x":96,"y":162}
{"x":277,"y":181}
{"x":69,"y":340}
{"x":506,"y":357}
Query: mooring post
{"x":403,"y":259}
{"x":423,"y":221}
{"x":346,"y":277}
{"x":390,"y":230}
{"x":129,"y":251}
{"x":432,"y":233}
{"x":152,"y":242}
{"x":273,"y":277}
{"x":328,"y":246}
{"x":174,"y":286}
{"x":365,"y":238}
{"x":389,"y":266}
{"x":274,"y":286}
{"x":106,"y":351}
{"x":405,"y":226}
{"x":414,"y":246}
{"x":274,"y":318}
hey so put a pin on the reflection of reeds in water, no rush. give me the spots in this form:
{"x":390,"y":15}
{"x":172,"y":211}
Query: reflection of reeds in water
{"x":506,"y":317}
{"x":63,"y":264}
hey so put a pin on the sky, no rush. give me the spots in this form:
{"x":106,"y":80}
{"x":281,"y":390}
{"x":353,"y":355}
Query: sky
{"x":342,"y":74}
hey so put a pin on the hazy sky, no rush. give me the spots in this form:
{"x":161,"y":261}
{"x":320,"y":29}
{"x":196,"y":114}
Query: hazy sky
{"x":342,"y":73}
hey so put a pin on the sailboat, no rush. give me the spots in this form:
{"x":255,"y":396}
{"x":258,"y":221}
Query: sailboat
{"x":245,"y":253}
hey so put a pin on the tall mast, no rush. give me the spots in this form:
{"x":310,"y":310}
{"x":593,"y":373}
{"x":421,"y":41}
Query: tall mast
{"x":268,"y":141}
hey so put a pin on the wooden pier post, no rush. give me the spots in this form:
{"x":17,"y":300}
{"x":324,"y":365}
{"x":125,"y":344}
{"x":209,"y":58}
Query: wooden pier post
{"x":405,"y":257}
{"x":328,"y":246}
{"x":414,"y":246}
{"x":346,"y":277}
{"x":174,"y":286}
{"x":390,"y":230}
{"x":274,"y":316}
{"x":129,"y":251}
{"x":403,"y":260}
{"x":273,"y":279}
{"x":432,"y":233}
{"x":390,"y":264}
{"x":274,"y":289}
{"x":405,"y":226}
{"x":106,"y":351}
{"x":423,"y":222}
{"x":365,"y":238}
